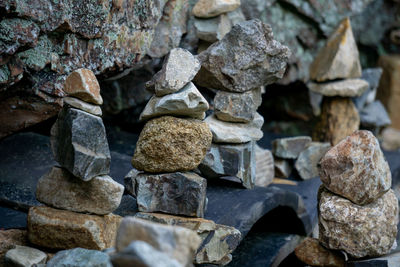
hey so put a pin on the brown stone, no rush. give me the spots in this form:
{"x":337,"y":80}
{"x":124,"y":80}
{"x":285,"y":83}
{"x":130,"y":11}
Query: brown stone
{"x":60,"y":229}
{"x":212,"y":8}
{"x":82,"y":84}
{"x":339,"y":118}
{"x":11,"y":238}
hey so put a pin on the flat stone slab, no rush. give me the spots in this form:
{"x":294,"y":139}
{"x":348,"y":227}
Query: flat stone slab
{"x":345,"y":88}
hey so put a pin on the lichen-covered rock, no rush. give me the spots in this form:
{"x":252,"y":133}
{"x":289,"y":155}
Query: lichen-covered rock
{"x":290,"y":147}
{"x":345,"y":88}
{"x":360,"y":231}
{"x":265,"y":172}
{"x":356,"y":169}
{"x":82,"y":84}
{"x":307,"y":162}
{"x":82,"y":105}
{"x":80,"y":257}
{"x":246,"y":58}
{"x":24,"y":256}
{"x":212,"y":8}
{"x":169,"y":144}
{"x":17,"y":32}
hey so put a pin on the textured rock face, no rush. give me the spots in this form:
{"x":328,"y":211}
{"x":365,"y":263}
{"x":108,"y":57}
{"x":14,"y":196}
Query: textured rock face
{"x":25,"y":256}
{"x":62,"y":229}
{"x":246,"y":58}
{"x":59,"y":189}
{"x":368,"y":230}
{"x":170,"y":144}
{"x":345,"y":88}
{"x":80,"y":257}
{"x":79,"y":144}
{"x":82,"y":105}
{"x":264,"y":166}
{"x":356,"y":169}
{"x":177,"y":242}
{"x":83,"y":84}
{"x":339,"y":58}
{"x":207,"y":9}
{"x":306,"y":163}
{"x":290,"y":148}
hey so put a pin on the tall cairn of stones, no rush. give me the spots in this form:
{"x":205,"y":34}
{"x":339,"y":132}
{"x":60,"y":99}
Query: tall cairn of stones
{"x":79,"y":195}
{"x":358,"y":212}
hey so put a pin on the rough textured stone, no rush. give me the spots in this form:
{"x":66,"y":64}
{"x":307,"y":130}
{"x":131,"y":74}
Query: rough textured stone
{"x":339,"y":118}
{"x":82,"y":105}
{"x":82,"y":84}
{"x":237,"y":107}
{"x":212,"y":29}
{"x":283,"y":169}
{"x":246,"y":58}
{"x":290,"y":147}
{"x":312,"y":253}
{"x":237,"y":160}
{"x":368,"y":230}
{"x":339,"y":58}
{"x":212,"y":8}
{"x":80,"y":257}
{"x":307,"y":162}
{"x":177,"y":242}
{"x":180,"y":193}
{"x":372,"y":76}
{"x":59,"y":189}
{"x":237,"y":133}
{"x":218,"y":241}
{"x":265,"y":172}
{"x":60,"y":229}
{"x":79,"y":143}
{"x":390,"y":138}
{"x":11,"y":238}
{"x":345,"y":88}
{"x":374,"y":115}
{"x":356,"y":169}
{"x":24,"y":257}
{"x":187,"y":102}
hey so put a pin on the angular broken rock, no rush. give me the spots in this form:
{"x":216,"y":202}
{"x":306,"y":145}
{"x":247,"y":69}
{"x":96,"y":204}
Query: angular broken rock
{"x":169,"y":144}
{"x":24,"y":256}
{"x":246,"y":58}
{"x":82,"y":105}
{"x":237,"y":133}
{"x":283,"y":169}
{"x":82,"y":84}
{"x":265,"y":172}
{"x":356,"y":169}
{"x":177,"y":242}
{"x":180,"y":193}
{"x":218,"y":241}
{"x":290,"y":147}
{"x":368,"y":230}
{"x":307,"y":162}
{"x":237,"y":160}
{"x":179,"y":68}
{"x":187,"y":102}
{"x":372,"y":76}
{"x":61,"y":229}
{"x":339,"y":58}
{"x":60,"y":189}
{"x":345,"y":88}
{"x":212,"y":8}
{"x":80,"y":257}
{"x":374,"y":115}
{"x":79,"y":143}
{"x":212,"y":29}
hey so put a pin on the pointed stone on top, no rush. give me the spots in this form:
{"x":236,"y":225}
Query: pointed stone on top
{"x":212,"y":8}
{"x":339,"y":58}
{"x":82,"y":83}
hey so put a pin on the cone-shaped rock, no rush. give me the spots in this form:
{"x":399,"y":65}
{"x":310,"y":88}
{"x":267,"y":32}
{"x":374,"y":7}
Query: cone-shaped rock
{"x":83,"y":84}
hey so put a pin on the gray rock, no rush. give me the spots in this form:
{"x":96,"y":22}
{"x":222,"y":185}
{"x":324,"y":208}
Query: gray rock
{"x":237,"y":133}
{"x":372,"y":76}
{"x":237,"y":160}
{"x":79,"y":143}
{"x":130,"y":181}
{"x":345,"y":88}
{"x":60,"y":189}
{"x":80,"y":257}
{"x":82,"y":105}
{"x":290,"y":147}
{"x":283,"y":169}
{"x":179,"y":68}
{"x":186,"y":102}
{"x":306,"y":163}
{"x":212,"y":29}
{"x":212,"y":8}
{"x":374,"y":115}
{"x":139,"y":253}
{"x":22,"y":256}
{"x":246,"y":58}
{"x":180,"y":193}
{"x":265,"y":172}
{"x":315,"y":102}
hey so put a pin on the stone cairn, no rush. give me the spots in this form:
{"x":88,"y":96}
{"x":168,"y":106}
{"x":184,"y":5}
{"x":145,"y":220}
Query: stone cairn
{"x":79,"y":194}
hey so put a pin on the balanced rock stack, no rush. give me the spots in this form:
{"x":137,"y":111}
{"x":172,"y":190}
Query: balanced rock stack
{"x":335,"y":74}
{"x":79,"y":194}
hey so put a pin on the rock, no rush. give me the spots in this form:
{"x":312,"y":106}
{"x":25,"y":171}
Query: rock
{"x":246,"y":58}
{"x":82,"y":84}
{"x":374,"y":115}
{"x":130,"y":181}
{"x":306,"y":163}
{"x":11,"y":238}
{"x":391,"y":260}
{"x":237,"y":107}
{"x":339,"y":118}
{"x":180,"y":193}
{"x":60,"y":229}
{"x":265,"y":172}
{"x":237,"y":160}
{"x":360,"y":231}
{"x":212,"y":29}
{"x":315,"y":102}
{"x":218,"y":241}
{"x":179,"y":68}
{"x":339,"y":58}
{"x":101,"y":195}
{"x":290,"y":147}
{"x":345,"y":88}
{"x":177,"y":242}
{"x":170,"y":144}
{"x":82,"y":105}
{"x":390,"y":139}
{"x":237,"y":133}
{"x":356,"y":169}
{"x":139,"y":253}
{"x":79,"y":144}
{"x":187,"y":102}
{"x":312,"y":253}
{"x":17,"y":32}
{"x":283,"y":169}
{"x":212,"y":8}
{"x":24,"y":256}
{"x":80,"y":257}
{"x":372,"y":76}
